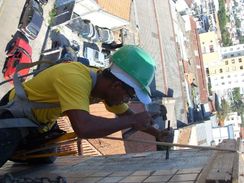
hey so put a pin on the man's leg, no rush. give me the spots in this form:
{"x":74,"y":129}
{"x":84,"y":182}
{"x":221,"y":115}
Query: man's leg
{"x":9,"y":140}
{"x":12,"y":138}
{"x":34,"y":140}
{"x":9,"y":137}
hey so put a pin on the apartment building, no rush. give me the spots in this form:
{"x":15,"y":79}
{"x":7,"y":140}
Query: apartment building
{"x":210,"y":49}
{"x":229,"y":72}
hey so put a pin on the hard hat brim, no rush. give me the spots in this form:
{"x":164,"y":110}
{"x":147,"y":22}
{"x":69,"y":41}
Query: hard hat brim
{"x":142,"y":94}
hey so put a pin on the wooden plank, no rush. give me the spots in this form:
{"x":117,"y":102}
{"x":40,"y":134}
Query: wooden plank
{"x":241,"y":163}
{"x":220,"y":165}
{"x":241,"y":168}
{"x":206,"y":168}
{"x":236,"y":164}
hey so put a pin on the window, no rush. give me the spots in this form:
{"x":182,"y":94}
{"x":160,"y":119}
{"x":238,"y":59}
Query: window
{"x":227,"y":69}
{"x":211,"y":48}
{"x":222,"y":77}
{"x":228,"y":76}
{"x":233,"y":61}
{"x":220,"y":70}
{"x":226,"y":62}
{"x":241,"y":67}
{"x":233,"y":68}
{"x":232,"y":55}
{"x":240,"y":60}
{"x":223,"y":83}
{"x":229,"y":82}
{"x":207,"y":71}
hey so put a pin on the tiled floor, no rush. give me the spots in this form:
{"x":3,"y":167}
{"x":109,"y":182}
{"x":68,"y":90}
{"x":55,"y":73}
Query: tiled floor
{"x":128,"y":168}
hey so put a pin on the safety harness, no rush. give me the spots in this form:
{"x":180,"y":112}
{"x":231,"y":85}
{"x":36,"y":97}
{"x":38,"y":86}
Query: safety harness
{"x":21,"y":107}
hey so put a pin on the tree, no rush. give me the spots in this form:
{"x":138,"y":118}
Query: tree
{"x":222,"y":111}
{"x":237,"y":104}
{"x":241,"y":38}
{"x":222,"y":23}
{"x":237,"y":22}
{"x":226,"y":38}
{"x":222,"y":19}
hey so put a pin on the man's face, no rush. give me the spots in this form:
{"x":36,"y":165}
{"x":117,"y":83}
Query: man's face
{"x":118,"y":93}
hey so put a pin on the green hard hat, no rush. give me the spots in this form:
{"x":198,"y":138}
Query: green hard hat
{"x":136,"y":63}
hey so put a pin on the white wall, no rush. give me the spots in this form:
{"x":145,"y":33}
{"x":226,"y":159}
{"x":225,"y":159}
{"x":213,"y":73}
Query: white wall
{"x":104,"y":19}
{"x":232,"y":51}
{"x":227,"y":81}
{"x":88,"y":9}
{"x":235,"y":120}
{"x":193,"y":137}
{"x":219,"y":134}
{"x":85,"y":6}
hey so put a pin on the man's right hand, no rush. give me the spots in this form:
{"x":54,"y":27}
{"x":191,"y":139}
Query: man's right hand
{"x":166,"y":135}
{"x":141,"y":121}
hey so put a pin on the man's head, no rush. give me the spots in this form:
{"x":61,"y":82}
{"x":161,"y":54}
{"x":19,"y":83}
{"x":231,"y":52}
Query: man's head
{"x":116,"y":91}
{"x":133,"y":70}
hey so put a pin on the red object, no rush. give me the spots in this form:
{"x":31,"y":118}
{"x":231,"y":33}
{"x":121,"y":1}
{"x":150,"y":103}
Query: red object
{"x":19,"y":52}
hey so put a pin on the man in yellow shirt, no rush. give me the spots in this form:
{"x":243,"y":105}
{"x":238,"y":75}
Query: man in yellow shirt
{"x":74,"y":87}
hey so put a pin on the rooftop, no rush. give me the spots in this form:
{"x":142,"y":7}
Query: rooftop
{"x":185,"y":165}
{"x":116,"y":7}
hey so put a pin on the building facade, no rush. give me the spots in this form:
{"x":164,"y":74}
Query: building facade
{"x":210,"y":49}
{"x":229,"y":72}
{"x":235,"y":120}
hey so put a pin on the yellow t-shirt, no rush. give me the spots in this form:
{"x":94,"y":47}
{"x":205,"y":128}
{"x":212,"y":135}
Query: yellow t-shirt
{"x":70,"y":84}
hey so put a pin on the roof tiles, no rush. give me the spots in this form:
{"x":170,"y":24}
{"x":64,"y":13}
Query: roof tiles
{"x":116,"y":7}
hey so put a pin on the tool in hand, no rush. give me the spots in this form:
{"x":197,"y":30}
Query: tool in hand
{"x":131,"y":131}
{"x":156,"y":123}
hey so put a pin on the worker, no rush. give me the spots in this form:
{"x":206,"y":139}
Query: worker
{"x":74,"y":86}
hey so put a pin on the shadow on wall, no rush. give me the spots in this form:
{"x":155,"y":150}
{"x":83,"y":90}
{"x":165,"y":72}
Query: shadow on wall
{"x":132,"y":147}
{"x":180,"y":124}
{"x":159,"y":94}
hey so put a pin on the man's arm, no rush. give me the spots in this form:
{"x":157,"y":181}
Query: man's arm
{"x":86,"y":125}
